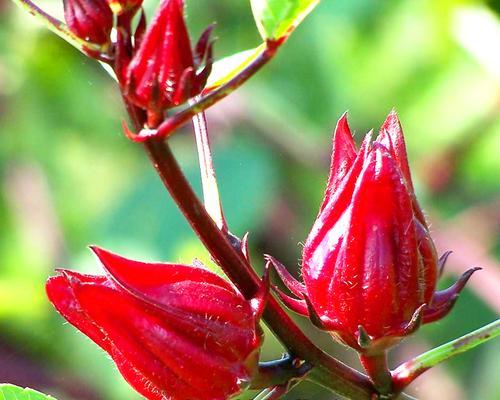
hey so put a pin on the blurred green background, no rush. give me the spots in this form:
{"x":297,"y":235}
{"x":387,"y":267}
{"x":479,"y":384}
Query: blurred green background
{"x":68,"y":178}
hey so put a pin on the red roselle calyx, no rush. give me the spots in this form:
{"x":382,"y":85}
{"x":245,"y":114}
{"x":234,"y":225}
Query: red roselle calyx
{"x":369,"y":264}
{"x":90,"y":20}
{"x":174,"y":331}
{"x":164,"y":72}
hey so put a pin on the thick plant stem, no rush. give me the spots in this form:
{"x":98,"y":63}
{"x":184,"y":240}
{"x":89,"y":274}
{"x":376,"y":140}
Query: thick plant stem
{"x":377,"y":369}
{"x":333,"y":374}
{"x":280,"y":372}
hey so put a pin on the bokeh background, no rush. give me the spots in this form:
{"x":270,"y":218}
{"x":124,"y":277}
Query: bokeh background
{"x":68,"y":178}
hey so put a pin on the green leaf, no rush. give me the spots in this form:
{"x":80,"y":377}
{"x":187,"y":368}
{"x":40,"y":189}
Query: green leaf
{"x":227,"y":68}
{"x":11,"y":392}
{"x":276,"y":19}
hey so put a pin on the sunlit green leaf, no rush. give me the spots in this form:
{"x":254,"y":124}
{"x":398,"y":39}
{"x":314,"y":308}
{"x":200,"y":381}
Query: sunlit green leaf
{"x":11,"y":392}
{"x":227,"y":68}
{"x":276,"y":19}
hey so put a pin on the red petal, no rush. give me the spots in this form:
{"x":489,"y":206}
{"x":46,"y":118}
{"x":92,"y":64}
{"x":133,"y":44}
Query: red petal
{"x":145,"y":276}
{"x":382,"y":214}
{"x":323,"y":243}
{"x":163,"y":56}
{"x":337,"y":205}
{"x":343,"y":156}
{"x":391,"y":137}
{"x":178,"y":361}
{"x":189,"y":290}
{"x":60,"y":292}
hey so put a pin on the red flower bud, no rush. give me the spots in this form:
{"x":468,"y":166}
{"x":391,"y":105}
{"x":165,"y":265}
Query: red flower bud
{"x":369,"y":264}
{"x":164,"y":72}
{"x":174,"y":331}
{"x":90,"y":20}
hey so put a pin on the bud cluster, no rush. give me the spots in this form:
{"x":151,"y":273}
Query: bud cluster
{"x":156,"y":65}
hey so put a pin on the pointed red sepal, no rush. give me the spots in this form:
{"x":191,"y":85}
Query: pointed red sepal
{"x":259,"y":302}
{"x":297,"y":305}
{"x":391,"y":136}
{"x":140,"y":30}
{"x":60,"y":291}
{"x":368,"y":344}
{"x":203,"y":74}
{"x":292,"y":284}
{"x":444,"y":300}
{"x":184,"y":86}
{"x":343,"y":156}
{"x":415,"y":322}
{"x":203,"y":45}
{"x":313,"y":315}
{"x":442,"y":262}
{"x":177,"y":288}
{"x":203,"y":60}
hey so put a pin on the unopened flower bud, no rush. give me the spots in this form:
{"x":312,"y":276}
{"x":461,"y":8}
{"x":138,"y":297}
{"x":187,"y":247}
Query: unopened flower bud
{"x":164,"y":72}
{"x":369,"y":264}
{"x":90,"y":20}
{"x":174,"y":331}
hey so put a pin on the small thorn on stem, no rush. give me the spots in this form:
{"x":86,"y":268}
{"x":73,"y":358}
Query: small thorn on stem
{"x":259,"y":301}
{"x":364,"y":340}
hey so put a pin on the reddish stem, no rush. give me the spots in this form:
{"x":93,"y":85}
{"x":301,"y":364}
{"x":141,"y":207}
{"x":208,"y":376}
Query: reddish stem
{"x":377,"y":369}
